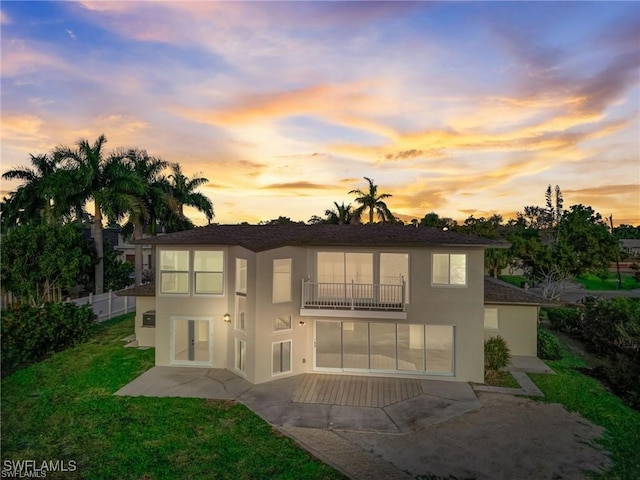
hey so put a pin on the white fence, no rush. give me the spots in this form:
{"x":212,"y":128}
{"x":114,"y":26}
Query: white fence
{"x":107,"y":305}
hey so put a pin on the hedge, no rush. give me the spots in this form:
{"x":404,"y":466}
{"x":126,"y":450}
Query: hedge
{"x":30,"y":334}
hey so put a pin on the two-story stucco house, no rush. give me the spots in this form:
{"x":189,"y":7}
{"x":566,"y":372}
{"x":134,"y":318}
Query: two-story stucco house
{"x":267,"y":301}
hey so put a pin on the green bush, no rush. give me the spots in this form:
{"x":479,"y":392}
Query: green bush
{"x":30,"y":334}
{"x":564,"y":319}
{"x":496,"y":355}
{"x":548,"y":345}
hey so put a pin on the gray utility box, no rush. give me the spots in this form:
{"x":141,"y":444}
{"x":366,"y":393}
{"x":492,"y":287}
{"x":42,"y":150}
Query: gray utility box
{"x":149,"y":318}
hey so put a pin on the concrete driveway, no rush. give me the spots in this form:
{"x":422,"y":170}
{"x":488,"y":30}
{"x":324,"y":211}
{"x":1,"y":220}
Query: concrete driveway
{"x":388,"y":428}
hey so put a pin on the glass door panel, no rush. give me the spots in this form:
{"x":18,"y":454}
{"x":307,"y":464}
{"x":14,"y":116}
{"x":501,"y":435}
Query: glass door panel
{"x":383,"y":346}
{"x":328,"y":344}
{"x":355,"y":345}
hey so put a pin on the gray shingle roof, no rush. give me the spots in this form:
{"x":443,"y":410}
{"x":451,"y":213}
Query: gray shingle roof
{"x":499,"y":292}
{"x":146,"y":290}
{"x":266,"y":237}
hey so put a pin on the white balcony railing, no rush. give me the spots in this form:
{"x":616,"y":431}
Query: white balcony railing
{"x":354,"y":296}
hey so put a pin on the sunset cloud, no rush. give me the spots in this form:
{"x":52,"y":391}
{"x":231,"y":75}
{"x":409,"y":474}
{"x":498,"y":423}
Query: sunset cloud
{"x":453,"y":107}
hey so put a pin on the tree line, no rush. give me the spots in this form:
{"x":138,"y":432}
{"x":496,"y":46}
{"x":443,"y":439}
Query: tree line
{"x":128,"y":186}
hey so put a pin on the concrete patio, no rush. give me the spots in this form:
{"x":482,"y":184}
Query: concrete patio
{"x":347,"y":402}
{"x":357,"y":424}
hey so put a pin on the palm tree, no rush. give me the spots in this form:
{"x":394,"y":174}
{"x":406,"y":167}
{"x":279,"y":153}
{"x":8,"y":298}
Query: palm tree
{"x":33,"y":202}
{"x":155,"y":198}
{"x":373,"y":202}
{"x":107,"y":181}
{"x":341,"y":215}
{"x":183,"y":192}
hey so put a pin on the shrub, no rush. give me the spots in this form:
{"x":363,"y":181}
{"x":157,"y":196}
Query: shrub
{"x":496,"y":355}
{"x":564,"y":319}
{"x":30,"y":334}
{"x":548,"y":345}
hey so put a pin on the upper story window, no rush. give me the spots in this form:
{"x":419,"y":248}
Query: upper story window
{"x":491,"y":319}
{"x":174,"y":271}
{"x":345,"y":267}
{"x":208,"y":269}
{"x":180,"y":269}
{"x":449,"y":269}
{"x":281,"y":280}
{"x":241,"y":275}
{"x":394,"y":268}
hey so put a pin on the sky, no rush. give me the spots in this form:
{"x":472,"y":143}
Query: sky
{"x":456,"y":108}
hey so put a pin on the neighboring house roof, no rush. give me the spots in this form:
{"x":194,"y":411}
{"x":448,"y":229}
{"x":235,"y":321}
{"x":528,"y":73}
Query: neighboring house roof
{"x":146,"y":290}
{"x":630,"y":243}
{"x":499,"y":292}
{"x":266,"y":237}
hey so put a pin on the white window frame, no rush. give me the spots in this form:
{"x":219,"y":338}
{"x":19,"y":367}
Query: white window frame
{"x":241,"y":316}
{"x":240,"y":356}
{"x":407,"y":284}
{"x":449,"y":284}
{"x":496,"y":316}
{"x":241,"y":275}
{"x":273,"y":346}
{"x":282,"y":330}
{"x":195,"y":274}
{"x":281,"y":278}
{"x":163,"y":271}
{"x":172,"y":346}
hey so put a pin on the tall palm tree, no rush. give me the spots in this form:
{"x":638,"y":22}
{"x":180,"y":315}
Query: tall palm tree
{"x":106,"y":180}
{"x":341,"y":215}
{"x":183,"y":191}
{"x":374,"y":202}
{"x":155,"y":197}
{"x":34,"y":201}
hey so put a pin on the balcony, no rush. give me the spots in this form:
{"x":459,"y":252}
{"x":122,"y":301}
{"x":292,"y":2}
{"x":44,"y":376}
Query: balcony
{"x":364,"y":300}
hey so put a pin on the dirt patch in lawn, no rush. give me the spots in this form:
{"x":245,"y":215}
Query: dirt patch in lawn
{"x":509,"y":437}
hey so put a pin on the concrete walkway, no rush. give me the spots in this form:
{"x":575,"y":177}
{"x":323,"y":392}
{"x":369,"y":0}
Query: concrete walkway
{"x":300,"y":407}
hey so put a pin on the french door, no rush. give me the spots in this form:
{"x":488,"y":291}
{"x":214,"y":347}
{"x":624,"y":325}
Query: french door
{"x":191,"y":341}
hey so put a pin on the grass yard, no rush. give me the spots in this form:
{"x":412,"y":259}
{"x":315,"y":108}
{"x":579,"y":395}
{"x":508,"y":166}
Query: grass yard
{"x":501,"y":379}
{"x":63,"y":409}
{"x":593,"y":282}
{"x":585,"y":395}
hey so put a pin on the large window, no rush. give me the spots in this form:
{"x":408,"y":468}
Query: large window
{"x":241,"y":312}
{"x":281,"y":357}
{"x":200,"y":272}
{"x":208,"y":268}
{"x":376,"y":346}
{"x":241,"y":355}
{"x":281,"y":280}
{"x":491,"y":319}
{"x":174,"y":271}
{"x":449,"y":269}
{"x":241,"y":275}
{"x":394,"y":268}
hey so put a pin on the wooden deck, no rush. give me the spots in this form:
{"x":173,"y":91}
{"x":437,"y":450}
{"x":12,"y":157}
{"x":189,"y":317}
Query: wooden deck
{"x":355,"y":391}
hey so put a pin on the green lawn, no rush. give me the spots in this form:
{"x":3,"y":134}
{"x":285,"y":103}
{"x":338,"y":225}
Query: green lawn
{"x":63,"y":409}
{"x":502,"y":379}
{"x":593,"y":282}
{"x":585,"y":395}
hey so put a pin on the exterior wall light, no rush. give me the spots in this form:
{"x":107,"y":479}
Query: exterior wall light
{"x":301,"y":322}
{"x":227,"y":318}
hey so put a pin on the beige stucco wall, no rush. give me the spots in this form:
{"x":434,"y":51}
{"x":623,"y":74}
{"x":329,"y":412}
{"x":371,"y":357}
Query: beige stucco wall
{"x":461,"y":307}
{"x":146,"y":336}
{"x":517,"y":324}
{"x":198,"y":307}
